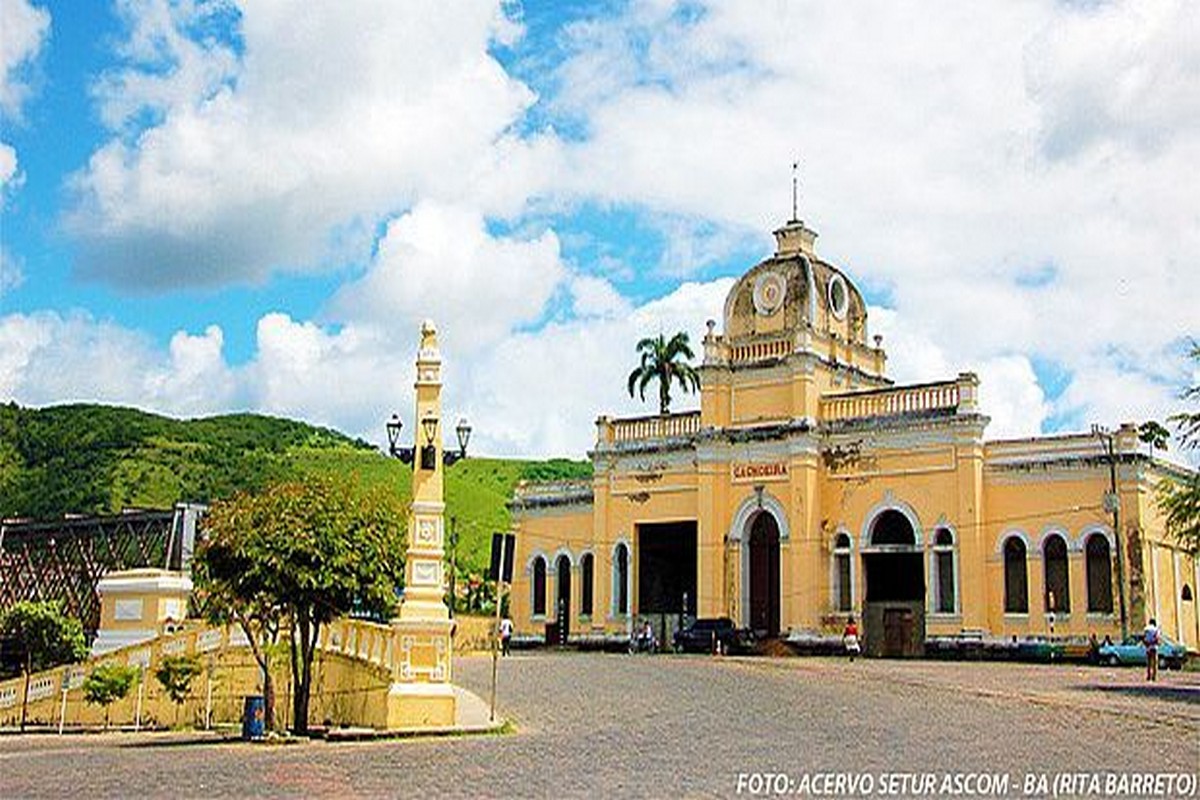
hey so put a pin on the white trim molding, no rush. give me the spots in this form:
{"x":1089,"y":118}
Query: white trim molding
{"x":614,"y":585}
{"x":748,"y":509}
{"x":834,"y":574}
{"x":1073,"y":545}
{"x":144,"y":582}
{"x":891,"y":503}
{"x":560,"y":553}
{"x":935,"y":577}
{"x":1093,"y":529}
{"x":741,"y":535}
{"x":1004,"y":537}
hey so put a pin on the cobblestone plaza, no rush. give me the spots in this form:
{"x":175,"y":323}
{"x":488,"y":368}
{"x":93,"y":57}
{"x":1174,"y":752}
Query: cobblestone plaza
{"x":657,"y":726}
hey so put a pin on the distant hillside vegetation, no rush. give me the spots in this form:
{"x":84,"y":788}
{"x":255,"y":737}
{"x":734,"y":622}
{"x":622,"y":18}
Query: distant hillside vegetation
{"x":99,"y":459}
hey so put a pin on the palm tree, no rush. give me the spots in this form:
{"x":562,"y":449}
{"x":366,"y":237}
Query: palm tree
{"x":665,"y":361}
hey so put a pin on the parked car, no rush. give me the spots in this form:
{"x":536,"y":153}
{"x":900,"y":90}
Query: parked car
{"x":1171,"y":655}
{"x":701,"y":635}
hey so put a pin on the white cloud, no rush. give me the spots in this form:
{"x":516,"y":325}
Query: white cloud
{"x":167,"y":69}
{"x":1121,"y":74}
{"x":11,"y":274}
{"x":286,"y":157}
{"x":8,"y":167}
{"x":439,"y":261}
{"x":26,"y":28}
{"x":596,"y":297}
{"x":1009,"y":392}
{"x":49,"y":358}
{"x":351,"y":379}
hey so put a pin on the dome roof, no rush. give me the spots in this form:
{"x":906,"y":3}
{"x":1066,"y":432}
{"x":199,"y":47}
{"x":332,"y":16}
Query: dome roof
{"x":794,"y":290}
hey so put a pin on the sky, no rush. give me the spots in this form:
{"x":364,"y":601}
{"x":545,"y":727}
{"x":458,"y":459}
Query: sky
{"x":223,"y":206}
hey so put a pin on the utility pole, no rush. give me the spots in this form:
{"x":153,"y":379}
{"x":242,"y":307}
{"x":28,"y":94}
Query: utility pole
{"x":1112,"y":504}
{"x":496,"y":631}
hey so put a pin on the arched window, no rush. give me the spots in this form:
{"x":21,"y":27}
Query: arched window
{"x":943,"y":566}
{"x":1057,"y":573}
{"x":1186,"y":595}
{"x":620,"y":587}
{"x":843,"y":597}
{"x":587,"y":568}
{"x":539,"y":587}
{"x":1016,"y":577}
{"x":1099,"y":575}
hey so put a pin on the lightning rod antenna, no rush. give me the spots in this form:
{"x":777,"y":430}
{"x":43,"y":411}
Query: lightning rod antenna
{"x":795,"y":191}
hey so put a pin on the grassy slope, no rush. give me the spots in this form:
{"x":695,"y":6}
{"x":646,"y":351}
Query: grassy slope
{"x":99,"y":459}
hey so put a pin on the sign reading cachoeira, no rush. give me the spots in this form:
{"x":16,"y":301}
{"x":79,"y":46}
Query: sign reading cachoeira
{"x":755,"y":472}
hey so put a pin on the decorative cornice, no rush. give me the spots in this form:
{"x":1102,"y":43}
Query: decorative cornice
{"x":552,"y":494}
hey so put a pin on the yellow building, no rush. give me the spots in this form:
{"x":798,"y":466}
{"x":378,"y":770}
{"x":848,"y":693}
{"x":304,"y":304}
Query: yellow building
{"x":808,"y":487}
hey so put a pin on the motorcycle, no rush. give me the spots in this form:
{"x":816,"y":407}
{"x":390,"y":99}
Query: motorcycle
{"x":643,"y":641}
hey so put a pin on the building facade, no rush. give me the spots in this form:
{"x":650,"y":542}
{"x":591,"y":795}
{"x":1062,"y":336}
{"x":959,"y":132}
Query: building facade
{"x":809,"y":487}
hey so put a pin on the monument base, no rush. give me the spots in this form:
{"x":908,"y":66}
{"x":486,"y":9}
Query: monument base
{"x":421,"y":695}
{"x":421,"y":705}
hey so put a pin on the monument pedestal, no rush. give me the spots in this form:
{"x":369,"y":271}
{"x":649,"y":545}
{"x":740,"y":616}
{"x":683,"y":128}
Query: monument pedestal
{"x":421,"y":694}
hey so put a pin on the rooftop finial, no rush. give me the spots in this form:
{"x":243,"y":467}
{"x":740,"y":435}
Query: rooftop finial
{"x":795,"y":191}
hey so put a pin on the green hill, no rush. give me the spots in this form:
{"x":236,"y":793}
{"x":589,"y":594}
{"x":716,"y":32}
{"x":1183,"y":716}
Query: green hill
{"x":100,"y":459}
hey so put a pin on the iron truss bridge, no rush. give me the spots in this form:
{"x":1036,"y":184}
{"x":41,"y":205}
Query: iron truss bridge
{"x":65,"y":559}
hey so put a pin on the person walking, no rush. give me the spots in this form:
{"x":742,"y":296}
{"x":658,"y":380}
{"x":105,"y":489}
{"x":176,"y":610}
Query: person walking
{"x":1150,"y":638}
{"x":850,"y":638}
{"x":506,"y":631}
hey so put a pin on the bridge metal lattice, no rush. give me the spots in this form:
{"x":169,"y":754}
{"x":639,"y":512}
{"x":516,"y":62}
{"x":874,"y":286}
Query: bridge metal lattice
{"x":65,"y":559}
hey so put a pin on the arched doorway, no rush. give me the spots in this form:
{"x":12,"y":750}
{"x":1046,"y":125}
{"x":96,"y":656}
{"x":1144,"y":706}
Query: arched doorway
{"x":562,"y":604}
{"x":763,"y":558}
{"x":894,"y":608}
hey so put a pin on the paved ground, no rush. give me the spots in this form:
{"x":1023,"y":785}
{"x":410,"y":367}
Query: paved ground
{"x":660,"y":726}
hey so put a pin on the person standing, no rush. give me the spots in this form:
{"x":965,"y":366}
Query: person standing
{"x":850,"y":638}
{"x":506,"y":631}
{"x":1150,"y":637}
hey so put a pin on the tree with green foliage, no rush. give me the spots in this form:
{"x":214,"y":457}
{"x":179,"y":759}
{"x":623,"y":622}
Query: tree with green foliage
{"x":301,"y":554}
{"x":107,"y":684}
{"x":665,"y":361}
{"x":1180,"y":499}
{"x":43,"y":636}
{"x":175,"y":675}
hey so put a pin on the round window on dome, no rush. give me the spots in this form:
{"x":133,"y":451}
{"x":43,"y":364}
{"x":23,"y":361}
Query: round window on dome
{"x":839,"y":297}
{"x":769,"y":291}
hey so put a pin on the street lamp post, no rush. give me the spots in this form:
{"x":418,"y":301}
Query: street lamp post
{"x":1112,"y":504}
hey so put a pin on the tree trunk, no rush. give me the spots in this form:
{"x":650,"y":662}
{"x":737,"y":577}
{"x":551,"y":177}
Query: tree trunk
{"x":25,"y":696}
{"x":268,"y":699}
{"x":303,"y":680}
{"x":294,"y":651}
{"x":664,"y":393}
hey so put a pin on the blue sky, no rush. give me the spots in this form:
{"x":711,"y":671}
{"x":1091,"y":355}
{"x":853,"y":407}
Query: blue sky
{"x":215,"y":206}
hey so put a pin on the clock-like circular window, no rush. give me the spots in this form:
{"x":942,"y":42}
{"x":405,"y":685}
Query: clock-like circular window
{"x":769,"y":291}
{"x":839,"y":296}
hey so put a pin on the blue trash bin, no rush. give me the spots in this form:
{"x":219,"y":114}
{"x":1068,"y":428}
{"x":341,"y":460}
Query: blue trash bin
{"x":254,"y":712}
